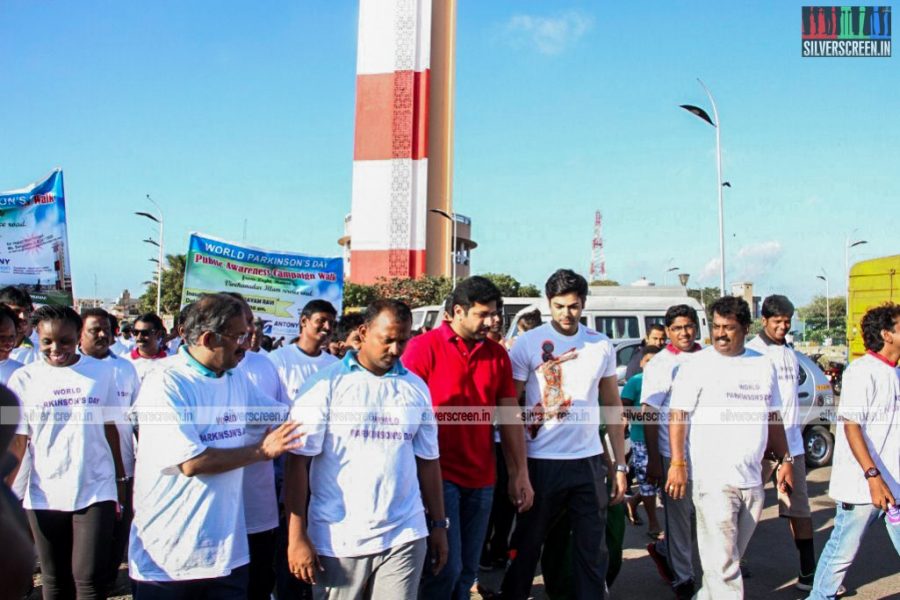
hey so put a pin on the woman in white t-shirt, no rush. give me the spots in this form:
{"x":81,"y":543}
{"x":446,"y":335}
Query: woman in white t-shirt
{"x":71,"y":496}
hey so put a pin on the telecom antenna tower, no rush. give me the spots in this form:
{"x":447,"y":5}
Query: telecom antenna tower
{"x":598,"y":260}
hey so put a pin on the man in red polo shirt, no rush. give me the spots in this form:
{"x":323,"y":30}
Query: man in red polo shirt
{"x":467,"y":375}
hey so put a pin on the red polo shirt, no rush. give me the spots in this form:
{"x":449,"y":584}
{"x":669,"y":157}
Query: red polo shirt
{"x":458,"y":376}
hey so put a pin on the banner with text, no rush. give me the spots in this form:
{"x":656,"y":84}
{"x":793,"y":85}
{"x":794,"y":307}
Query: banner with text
{"x":277,"y":285}
{"x":34,"y":248}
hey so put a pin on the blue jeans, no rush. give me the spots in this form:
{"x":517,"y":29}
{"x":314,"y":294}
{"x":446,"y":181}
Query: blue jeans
{"x":849,"y":526}
{"x":469,"y":510}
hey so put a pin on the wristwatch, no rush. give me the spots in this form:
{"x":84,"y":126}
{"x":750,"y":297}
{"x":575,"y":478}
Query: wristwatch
{"x":787,"y":459}
{"x":872,"y":472}
{"x":621,"y":468}
{"x":439,"y":523}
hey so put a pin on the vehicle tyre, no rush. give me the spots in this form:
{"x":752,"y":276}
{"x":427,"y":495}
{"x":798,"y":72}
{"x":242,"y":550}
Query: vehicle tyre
{"x":818,"y":444}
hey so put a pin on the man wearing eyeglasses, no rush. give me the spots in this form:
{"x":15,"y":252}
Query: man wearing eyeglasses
{"x":672,"y":555}
{"x":19,"y":301}
{"x":148,"y":349}
{"x":201,"y":424}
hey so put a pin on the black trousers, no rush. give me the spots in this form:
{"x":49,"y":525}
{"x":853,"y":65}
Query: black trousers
{"x":503,"y":513}
{"x":577,"y":486}
{"x":121,"y":531}
{"x":73,"y":548}
{"x":262,"y":564}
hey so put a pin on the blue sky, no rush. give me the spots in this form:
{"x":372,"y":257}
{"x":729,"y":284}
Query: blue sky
{"x":226,"y":111}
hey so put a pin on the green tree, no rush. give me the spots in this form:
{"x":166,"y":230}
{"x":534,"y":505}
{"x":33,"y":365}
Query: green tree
{"x":423,"y":291}
{"x":358,"y":294}
{"x":508,"y":285}
{"x":529,"y":291}
{"x":172,"y":283}
{"x":706,"y":296}
{"x":815,"y":316}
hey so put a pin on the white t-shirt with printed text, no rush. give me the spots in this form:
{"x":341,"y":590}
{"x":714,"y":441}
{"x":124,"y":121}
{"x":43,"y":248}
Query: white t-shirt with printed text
{"x":729,"y":399}
{"x":296,"y":366}
{"x":784,"y":358}
{"x":190,"y":527}
{"x":870,"y":397}
{"x":64,"y":411}
{"x":364,"y":433}
{"x":562,"y":397}
{"x":656,"y":390}
{"x":260,"y":503}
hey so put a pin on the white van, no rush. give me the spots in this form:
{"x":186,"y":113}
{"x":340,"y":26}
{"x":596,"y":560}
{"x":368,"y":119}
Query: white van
{"x":429,"y":317}
{"x":626,"y":312}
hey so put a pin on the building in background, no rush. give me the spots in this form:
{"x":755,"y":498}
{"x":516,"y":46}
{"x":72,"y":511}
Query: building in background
{"x":744,"y":290}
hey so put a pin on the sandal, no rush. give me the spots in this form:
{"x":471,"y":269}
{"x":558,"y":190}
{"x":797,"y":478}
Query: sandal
{"x":654,"y":535}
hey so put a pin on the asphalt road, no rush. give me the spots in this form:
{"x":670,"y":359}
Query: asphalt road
{"x":771,"y":557}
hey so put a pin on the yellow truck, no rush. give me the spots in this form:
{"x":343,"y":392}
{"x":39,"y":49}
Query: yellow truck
{"x":872,"y":282}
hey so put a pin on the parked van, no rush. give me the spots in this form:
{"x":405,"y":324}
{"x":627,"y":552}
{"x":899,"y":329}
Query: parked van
{"x":429,"y":317}
{"x":872,"y":282}
{"x":626,"y":312}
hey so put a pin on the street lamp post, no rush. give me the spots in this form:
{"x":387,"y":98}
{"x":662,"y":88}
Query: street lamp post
{"x":714,"y":121}
{"x":158,"y":218}
{"x":669,"y":270}
{"x":452,"y":218}
{"x":847,"y":245}
{"x":824,"y":277}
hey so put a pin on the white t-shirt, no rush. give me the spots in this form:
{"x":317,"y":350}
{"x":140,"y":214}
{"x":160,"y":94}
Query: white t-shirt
{"x":64,"y":410}
{"x":562,"y":397}
{"x":118,"y":348}
{"x":260,"y":503}
{"x":656,"y":390}
{"x":788,"y":368}
{"x":127,"y":386}
{"x":296,"y":366}
{"x":870,"y":398}
{"x":173,"y":345}
{"x":25,"y":354}
{"x":729,"y":399}
{"x":143,"y":366}
{"x":190,"y":527}
{"x":363,"y":481}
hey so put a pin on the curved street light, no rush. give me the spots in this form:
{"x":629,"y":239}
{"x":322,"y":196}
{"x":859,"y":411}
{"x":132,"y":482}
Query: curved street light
{"x":824,"y":277}
{"x":847,"y":314}
{"x":158,"y":218}
{"x":714,"y":121}
{"x":452,"y":218}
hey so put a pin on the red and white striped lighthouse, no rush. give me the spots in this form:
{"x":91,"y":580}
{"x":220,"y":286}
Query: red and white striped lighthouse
{"x":390,"y":159}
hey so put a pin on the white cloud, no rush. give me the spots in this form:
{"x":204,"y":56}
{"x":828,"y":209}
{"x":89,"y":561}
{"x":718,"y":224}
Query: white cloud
{"x":762,"y":251}
{"x":710,"y":270}
{"x":548,"y":35}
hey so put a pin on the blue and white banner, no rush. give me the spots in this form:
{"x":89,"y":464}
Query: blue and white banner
{"x":277,"y":285}
{"x":34,"y":248}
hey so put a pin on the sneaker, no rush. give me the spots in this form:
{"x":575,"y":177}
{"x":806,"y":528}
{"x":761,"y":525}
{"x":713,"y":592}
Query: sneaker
{"x":805,"y":584}
{"x":685,"y":590}
{"x":662,"y":565}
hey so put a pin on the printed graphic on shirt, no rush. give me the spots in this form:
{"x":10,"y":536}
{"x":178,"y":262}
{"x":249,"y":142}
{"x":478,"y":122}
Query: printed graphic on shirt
{"x":555,"y":403}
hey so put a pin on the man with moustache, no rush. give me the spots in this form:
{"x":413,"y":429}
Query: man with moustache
{"x":729,"y":396}
{"x":188,"y":538}
{"x":297,"y":362}
{"x":148,"y":348}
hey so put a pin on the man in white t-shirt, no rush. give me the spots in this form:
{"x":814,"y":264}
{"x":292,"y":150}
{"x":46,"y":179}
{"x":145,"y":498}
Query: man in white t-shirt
{"x":370,"y":463}
{"x":730,"y":396}
{"x":96,"y":336}
{"x":777,"y":312}
{"x":196,"y":417}
{"x":673,"y":554}
{"x":865,"y":477}
{"x":148,"y":348}
{"x":565,"y":371}
{"x":297,"y":362}
{"x":9,"y":324}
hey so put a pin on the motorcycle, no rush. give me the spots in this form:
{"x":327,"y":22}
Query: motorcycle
{"x":835,"y":373}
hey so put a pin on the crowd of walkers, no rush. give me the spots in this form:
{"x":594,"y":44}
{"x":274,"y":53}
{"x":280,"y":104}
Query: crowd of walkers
{"x":362,"y":461}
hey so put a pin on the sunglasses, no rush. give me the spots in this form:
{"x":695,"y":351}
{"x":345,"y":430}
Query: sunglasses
{"x":144,"y":332}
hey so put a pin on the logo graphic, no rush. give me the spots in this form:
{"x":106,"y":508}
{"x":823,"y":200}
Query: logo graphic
{"x":846,"y":31}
